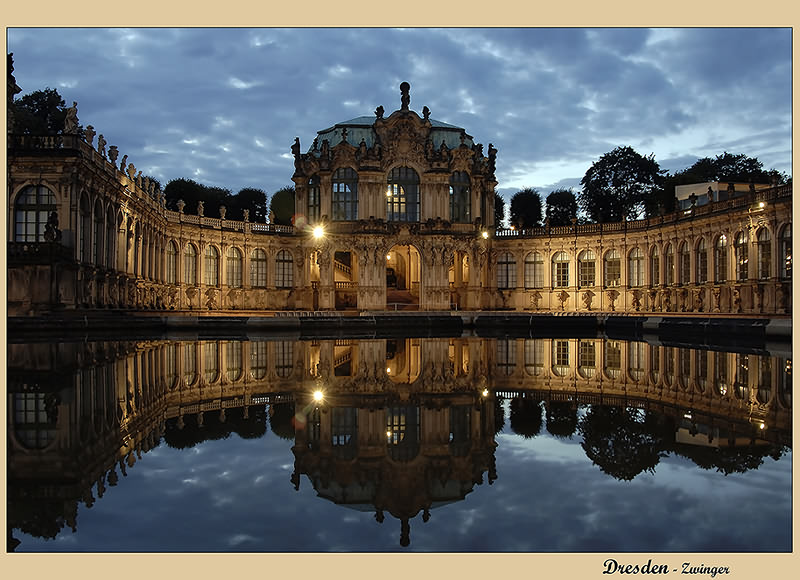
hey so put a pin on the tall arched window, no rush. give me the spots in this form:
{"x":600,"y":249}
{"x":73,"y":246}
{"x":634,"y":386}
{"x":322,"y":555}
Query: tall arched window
{"x":764,"y":253}
{"x":258,"y":268}
{"x":312,"y":203}
{"x":190,"y":265}
{"x":111,"y":241}
{"x":612,"y":358}
{"x":655,"y":270}
{"x":669,"y":265}
{"x":612,"y":273}
{"x":284,"y":358}
{"x":721,"y":259}
{"x":702,"y":262}
{"x":210,"y":362}
{"x":189,"y":363}
{"x":233,"y":268}
{"x":741,"y":254}
{"x":636,"y":268}
{"x":233,"y":360}
{"x":684,"y":265}
{"x":786,"y":252}
{"x":586,"y":269}
{"x":459,"y":197}
{"x":587,"y":359}
{"x":506,"y":271}
{"x":85,"y":237}
{"x":172,"y":263}
{"x":636,"y":358}
{"x":211,"y":266}
{"x":534,"y":356}
{"x":345,"y":195}
{"x":258,"y":359}
{"x":561,"y":357}
{"x":97,"y":236}
{"x":534,"y":270}
{"x":402,"y":195}
{"x":560,"y":265}
{"x":31,"y":211}
{"x":283,"y":269}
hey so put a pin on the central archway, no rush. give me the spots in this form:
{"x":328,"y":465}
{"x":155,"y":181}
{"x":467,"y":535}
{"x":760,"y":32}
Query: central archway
{"x":402,"y":278}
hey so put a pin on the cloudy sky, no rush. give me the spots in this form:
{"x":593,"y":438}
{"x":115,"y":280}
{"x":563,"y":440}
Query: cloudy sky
{"x":223,"y":106}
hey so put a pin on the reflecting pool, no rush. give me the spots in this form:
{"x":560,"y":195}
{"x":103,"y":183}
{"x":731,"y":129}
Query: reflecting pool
{"x":401,"y":444}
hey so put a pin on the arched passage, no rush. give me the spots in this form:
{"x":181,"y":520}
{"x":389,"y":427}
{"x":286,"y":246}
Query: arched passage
{"x":402,"y":278}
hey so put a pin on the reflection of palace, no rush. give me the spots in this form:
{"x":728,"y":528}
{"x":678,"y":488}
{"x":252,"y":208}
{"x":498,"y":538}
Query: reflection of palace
{"x":402,"y":426}
{"x":405,"y":210}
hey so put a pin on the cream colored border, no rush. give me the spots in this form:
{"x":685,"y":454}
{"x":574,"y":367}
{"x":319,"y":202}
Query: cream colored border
{"x":402,"y":13}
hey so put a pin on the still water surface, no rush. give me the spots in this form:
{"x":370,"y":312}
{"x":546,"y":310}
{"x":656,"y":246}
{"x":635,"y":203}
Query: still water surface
{"x":420,"y":444}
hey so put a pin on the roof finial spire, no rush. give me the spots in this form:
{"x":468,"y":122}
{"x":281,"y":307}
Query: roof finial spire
{"x":404,"y":97}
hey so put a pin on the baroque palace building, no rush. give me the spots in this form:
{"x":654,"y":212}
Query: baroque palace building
{"x":391,"y":212}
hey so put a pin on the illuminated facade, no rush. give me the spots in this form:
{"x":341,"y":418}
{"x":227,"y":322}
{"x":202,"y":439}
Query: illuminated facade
{"x":391,"y":213}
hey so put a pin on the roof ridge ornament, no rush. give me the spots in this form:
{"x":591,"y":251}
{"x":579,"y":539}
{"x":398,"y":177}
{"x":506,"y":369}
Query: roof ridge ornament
{"x":405,"y":99}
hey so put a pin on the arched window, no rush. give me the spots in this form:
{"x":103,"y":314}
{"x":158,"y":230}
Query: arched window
{"x":172,"y":263}
{"x":586,"y":269}
{"x":702,"y":262}
{"x":786,"y":252}
{"x":190,"y":265}
{"x":233,"y":360}
{"x":684,"y":265}
{"x":560,"y":265}
{"x":655,"y":273}
{"x":636,"y":268}
{"x":721,"y":373}
{"x":506,"y":271}
{"x":534,"y":356}
{"x":741,"y":381}
{"x":283,"y":269}
{"x":669,"y":265}
{"x":258,"y":359}
{"x":612,"y":359}
{"x":233,"y":268}
{"x":764,"y":253}
{"x":655,"y":363}
{"x":313,"y":203}
{"x":402,"y":195}
{"x":636,"y":360}
{"x":561,"y":357}
{"x":284,"y":358}
{"x":506,"y":360}
{"x":35,"y":419}
{"x":211,"y":266}
{"x":587,"y":359}
{"x":111,"y":238}
{"x":611,"y":268}
{"x":345,"y":195}
{"x":85,"y":238}
{"x":31,"y":211}
{"x":97,"y":237}
{"x":258,"y":268}
{"x":534,"y":270}
{"x":459,"y":198}
{"x":741,"y":254}
{"x":210,"y":362}
{"x":721,"y":259}
{"x":189,"y":363}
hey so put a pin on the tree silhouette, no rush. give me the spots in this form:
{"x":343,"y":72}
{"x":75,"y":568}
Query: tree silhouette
{"x":618,"y":184}
{"x":562,"y":207}
{"x":562,"y":418}
{"x":499,"y":210}
{"x":282,"y":206}
{"x":526,"y":209}
{"x":40,"y":113}
{"x":526,"y":416}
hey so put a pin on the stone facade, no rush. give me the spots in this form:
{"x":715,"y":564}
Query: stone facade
{"x":390,"y":213}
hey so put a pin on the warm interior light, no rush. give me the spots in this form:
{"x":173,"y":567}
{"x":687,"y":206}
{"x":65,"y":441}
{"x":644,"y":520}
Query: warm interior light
{"x":317,"y":395}
{"x":761,"y":204}
{"x":485,"y":235}
{"x":388,"y":257}
{"x":388,"y":369}
{"x":485,"y":392}
{"x":318,"y":232}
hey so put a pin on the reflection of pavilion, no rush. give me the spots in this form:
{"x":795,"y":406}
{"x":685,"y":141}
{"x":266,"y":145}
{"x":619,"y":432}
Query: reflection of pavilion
{"x":404,"y":425}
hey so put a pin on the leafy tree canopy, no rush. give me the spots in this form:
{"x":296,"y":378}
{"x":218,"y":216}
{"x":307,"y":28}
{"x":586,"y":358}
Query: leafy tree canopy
{"x":526,"y":417}
{"x":191,"y":192}
{"x":562,"y":207}
{"x":499,"y":210}
{"x":526,"y":209}
{"x":282,"y":206}
{"x":40,"y":113}
{"x":618,"y":184}
{"x":725,"y":168}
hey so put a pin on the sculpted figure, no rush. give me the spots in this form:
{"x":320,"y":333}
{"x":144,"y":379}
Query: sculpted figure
{"x":636,"y":300}
{"x":101,"y":145}
{"x":51,"y":231}
{"x":200,"y":208}
{"x":405,"y":99}
{"x":426,"y":113}
{"x":736,"y":300}
{"x":71,"y":119}
{"x":587,"y":299}
{"x":90,"y":135}
{"x":379,"y":112}
{"x":612,"y":297}
{"x":124,"y":164}
{"x":296,"y":152}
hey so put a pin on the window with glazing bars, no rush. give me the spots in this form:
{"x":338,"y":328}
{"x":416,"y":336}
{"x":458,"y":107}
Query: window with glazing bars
{"x":345,"y":195}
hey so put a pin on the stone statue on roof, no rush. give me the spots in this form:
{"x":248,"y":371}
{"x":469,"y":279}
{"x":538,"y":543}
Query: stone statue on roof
{"x":379,"y":112}
{"x":426,"y":113}
{"x":71,"y":119}
{"x":405,"y":99}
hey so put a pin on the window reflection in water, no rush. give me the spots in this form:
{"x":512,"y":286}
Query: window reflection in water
{"x":404,"y":403}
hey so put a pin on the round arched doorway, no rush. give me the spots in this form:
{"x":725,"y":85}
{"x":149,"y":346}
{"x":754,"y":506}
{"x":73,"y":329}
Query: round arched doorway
{"x":402,"y":278}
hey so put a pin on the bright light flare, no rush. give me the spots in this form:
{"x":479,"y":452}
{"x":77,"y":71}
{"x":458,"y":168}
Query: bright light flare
{"x":318,"y":232}
{"x":485,"y":235}
{"x":318,"y":396}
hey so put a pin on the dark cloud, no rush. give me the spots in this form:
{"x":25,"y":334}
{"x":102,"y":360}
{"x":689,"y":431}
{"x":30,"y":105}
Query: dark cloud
{"x":224,"y":105}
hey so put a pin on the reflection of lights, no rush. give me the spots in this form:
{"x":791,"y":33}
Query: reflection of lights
{"x":388,"y":256}
{"x":762,"y":425}
{"x":317,"y":395}
{"x":687,"y":415}
{"x":318,"y":232}
{"x":485,"y":392}
{"x":485,"y":235}
{"x":388,"y":434}
{"x":761,"y":204}
{"x":389,"y":192}
{"x":388,"y":370}
{"x":788,"y":368}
